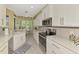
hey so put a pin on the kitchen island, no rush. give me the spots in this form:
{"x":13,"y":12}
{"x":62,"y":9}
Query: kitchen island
{"x":4,"y":43}
{"x":9,"y":43}
{"x":19,"y":39}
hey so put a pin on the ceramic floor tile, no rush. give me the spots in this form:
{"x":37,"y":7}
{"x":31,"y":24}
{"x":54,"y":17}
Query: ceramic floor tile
{"x":33,"y":49}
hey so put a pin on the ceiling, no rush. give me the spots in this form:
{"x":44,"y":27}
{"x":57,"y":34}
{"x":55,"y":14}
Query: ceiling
{"x":28,"y":10}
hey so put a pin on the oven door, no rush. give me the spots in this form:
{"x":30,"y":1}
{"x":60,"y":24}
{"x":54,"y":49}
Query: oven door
{"x":42,"y":41}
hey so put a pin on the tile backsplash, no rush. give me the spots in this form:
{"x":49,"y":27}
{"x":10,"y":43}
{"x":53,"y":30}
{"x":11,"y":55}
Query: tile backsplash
{"x":63,"y":32}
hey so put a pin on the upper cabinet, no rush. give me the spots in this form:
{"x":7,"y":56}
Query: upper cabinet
{"x":47,"y":12}
{"x":62,"y":15}
{"x":66,"y":15}
{"x":50,"y":11}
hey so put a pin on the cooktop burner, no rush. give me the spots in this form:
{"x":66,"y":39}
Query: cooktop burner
{"x":45,"y":34}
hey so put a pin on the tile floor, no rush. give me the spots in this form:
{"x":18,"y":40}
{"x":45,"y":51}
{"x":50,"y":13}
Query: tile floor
{"x":30,"y":47}
{"x":34,"y":49}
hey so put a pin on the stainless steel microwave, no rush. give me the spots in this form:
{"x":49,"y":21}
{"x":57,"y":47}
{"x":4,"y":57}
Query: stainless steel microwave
{"x":47,"y":22}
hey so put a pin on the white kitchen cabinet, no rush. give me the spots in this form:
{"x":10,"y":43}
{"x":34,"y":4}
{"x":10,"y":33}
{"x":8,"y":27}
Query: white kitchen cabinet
{"x":4,"y":48}
{"x":57,"y":14}
{"x":19,"y":40}
{"x":55,"y":48}
{"x":36,"y":36}
{"x":62,"y":15}
{"x":66,"y":15}
{"x":46,"y":12}
{"x":72,"y":15}
{"x":50,"y":10}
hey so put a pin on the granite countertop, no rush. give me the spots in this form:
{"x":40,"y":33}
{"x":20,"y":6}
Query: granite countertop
{"x":65,"y":43}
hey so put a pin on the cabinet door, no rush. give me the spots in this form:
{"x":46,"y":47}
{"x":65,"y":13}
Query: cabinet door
{"x":72,"y":15}
{"x":4,"y":48}
{"x":45,"y":13}
{"x":56,"y":15}
{"x":60,"y":49}
{"x":52,"y":48}
{"x":50,"y":11}
{"x":60,"y":15}
{"x":55,"y":48}
{"x":67,"y":12}
{"x":19,"y":40}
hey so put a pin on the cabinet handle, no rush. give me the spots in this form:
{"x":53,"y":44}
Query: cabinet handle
{"x":55,"y":46}
{"x":42,"y":36}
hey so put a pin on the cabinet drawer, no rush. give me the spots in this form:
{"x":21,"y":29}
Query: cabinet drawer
{"x":5,"y":50}
{"x":53,"y":47}
{"x":50,"y":50}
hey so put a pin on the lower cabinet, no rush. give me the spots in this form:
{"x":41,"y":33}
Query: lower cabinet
{"x":55,"y":48}
{"x":18,"y":40}
{"x":4,"y":48}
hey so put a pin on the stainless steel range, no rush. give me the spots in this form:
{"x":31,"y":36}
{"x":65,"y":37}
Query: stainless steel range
{"x":42,"y":39}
